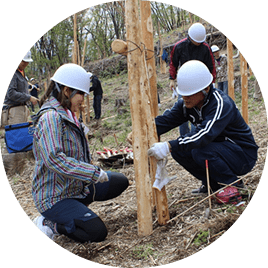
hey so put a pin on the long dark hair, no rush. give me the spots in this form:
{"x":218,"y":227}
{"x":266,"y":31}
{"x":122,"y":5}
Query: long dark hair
{"x":60,"y":96}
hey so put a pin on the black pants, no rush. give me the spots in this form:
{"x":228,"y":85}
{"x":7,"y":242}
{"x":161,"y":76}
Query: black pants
{"x":226,"y":161}
{"x":97,"y":106}
{"x":75,"y":220}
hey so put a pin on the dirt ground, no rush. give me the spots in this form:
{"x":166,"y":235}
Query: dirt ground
{"x":179,"y":239}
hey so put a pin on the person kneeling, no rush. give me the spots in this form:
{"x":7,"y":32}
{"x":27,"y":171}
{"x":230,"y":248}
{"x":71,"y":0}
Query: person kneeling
{"x":65,"y":181}
{"x":220,"y":136}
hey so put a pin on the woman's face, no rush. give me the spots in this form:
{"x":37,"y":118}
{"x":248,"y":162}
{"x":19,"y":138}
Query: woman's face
{"x":76,"y":100}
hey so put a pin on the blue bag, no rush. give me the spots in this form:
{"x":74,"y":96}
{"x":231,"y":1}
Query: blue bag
{"x":19,"y":137}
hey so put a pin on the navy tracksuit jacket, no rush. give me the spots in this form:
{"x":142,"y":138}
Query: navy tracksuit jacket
{"x":220,"y":136}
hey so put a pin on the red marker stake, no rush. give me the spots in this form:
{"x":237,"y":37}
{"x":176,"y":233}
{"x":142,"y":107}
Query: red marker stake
{"x":208,"y":185}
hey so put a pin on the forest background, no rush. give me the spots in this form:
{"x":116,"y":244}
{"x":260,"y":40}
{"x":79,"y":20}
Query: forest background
{"x":97,"y":28}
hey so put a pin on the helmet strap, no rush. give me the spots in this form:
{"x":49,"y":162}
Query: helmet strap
{"x":205,"y":93}
{"x":57,"y":87}
{"x":73,"y":93}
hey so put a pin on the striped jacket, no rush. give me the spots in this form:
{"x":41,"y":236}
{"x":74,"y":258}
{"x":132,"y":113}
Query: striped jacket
{"x":62,"y":158}
{"x":217,"y":120}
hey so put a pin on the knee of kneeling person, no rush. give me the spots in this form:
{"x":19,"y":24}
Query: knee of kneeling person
{"x":101,"y":234}
{"x":96,"y":229}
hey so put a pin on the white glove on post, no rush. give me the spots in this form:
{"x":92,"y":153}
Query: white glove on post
{"x":161,"y":171}
{"x":103,"y":177}
{"x":175,"y":94}
{"x":159,"y":150}
{"x":161,"y":175}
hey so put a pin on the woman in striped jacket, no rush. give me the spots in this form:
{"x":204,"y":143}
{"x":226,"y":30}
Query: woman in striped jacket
{"x":65,"y":181}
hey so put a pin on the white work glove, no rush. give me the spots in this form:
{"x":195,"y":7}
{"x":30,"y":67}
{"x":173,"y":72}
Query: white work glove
{"x":171,"y":84}
{"x":175,"y":94}
{"x":159,"y":150}
{"x":161,"y":175}
{"x":103,"y":177}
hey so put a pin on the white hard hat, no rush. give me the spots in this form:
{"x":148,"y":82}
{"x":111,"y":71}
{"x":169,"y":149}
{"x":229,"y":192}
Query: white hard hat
{"x":73,"y":76}
{"x":27,"y":57}
{"x":214,"y":48}
{"x":197,"y":33}
{"x":192,"y":77}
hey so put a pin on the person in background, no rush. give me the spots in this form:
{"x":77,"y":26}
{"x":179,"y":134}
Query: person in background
{"x":193,"y":47}
{"x":221,"y":136}
{"x":15,"y":108}
{"x":97,"y":92}
{"x":221,"y":69}
{"x":65,"y":181}
{"x":34,"y":89}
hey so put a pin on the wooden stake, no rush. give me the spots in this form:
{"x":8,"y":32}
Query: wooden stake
{"x":142,"y":116}
{"x":74,"y":56}
{"x":230,"y":69}
{"x":208,"y":184}
{"x":76,"y":60}
{"x":244,"y":87}
{"x":84,"y":52}
{"x":75,"y":40}
{"x":88,"y":109}
{"x":147,"y":34}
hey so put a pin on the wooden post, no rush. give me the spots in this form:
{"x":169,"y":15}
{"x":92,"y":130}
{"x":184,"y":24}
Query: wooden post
{"x":230,"y":69}
{"x":74,"y":50}
{"x":244,"y":87}
{"x":147,"y":35}
{"x":250,"y":72}
{"x":76,"y":60}
{"x":88,"y":110}
{"x":75,"y":41}
{"x":142,"y":116}
{"x":86,"y":116}
{"x":84,"y":52}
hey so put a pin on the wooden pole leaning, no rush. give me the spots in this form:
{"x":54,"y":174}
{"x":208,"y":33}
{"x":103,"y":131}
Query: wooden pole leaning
{"x":142,"y":117}
{"x":76,"y":60}
{"x":144,"y":109}
{"x":75,"y":49}
{"x":230,"y":69}
{"x":244,"y":87}
{"x":159,"y":197}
